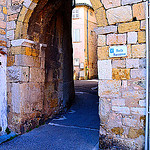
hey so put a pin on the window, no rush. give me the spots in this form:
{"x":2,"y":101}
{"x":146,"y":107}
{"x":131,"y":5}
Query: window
{"x":75,"y":13}
{"x":76,"y":35}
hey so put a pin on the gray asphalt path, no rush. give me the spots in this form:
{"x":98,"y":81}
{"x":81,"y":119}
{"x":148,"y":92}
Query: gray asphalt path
{"x":78,"y":129}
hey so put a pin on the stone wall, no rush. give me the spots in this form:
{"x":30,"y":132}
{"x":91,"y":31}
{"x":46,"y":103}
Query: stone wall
{"x":3,"y":58}
{"x":122,"y":80}
{"x":39,"y":85}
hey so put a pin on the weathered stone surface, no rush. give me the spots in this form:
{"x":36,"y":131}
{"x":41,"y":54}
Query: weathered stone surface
{"x":133,"y":94}
{"x":128,"y":27}
{"x":118,"y":102}
{"x":101,"y":17}
{"x":139,"y":51}
{"x":114,"y":120}
{"x":106,"y":30}
{"x":109,"y":88}
{"x":116,"y":39}
{"x":96,"y":4}
{"x":10,"y":34}
{"x":2,"y":24}
{"x":139,"y":10}
{"x":132,"y":63}
{"x":104,"y":109}
{"x":125,"y":2}
{"x":138,"y":73}
{"x":128,"y":121}
{"x":132,"y":37}
{"x":101,"y":40}
{"x":37,"y":75}
{"x":142,"y":103}
{"x":23,"y":60}
{"x":11,"y":25}
{"x":120,"y":74}
{"x":16,"y":74}
{"x":111,"y":4}
{"x":142,"y":63}
{"x":103,"y":53}
{"x":134,"y":133}
{"x":118,"y":130}
{"x":104,"y":69}
{"x":141,"y":37}
{"x":122,"y":14}
{"x":143,"y":24}
{"x":121,"y":110}
{"x":118,"y":64}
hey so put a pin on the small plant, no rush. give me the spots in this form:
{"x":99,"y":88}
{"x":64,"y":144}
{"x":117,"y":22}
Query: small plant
{"x":7,"y":130}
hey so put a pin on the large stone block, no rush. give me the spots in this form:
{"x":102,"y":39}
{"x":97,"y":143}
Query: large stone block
{"x":101,"y":40}
{"x":109,"y":88}
{"x":101,"y":17}
{"x":132,"y":37}
{"x":133,"y":94}
{"x":106,"y":30}
{"x":138,"y":111}
{"x":139,"y":51}
{"x":125,"y":2}
{"x":128,"y":121}
{"x":121,"y":110}
{"x":116,"y":39}
{"x":139,"y":11}
{"x":132,"y":63}
{"x":118,"y":102}
{"x":103,"y":53}
{"x":17,"y":74}
{"x":111,"y":4}
{"x":128,"y":27}
{"x":120,"y":74}
{"x":11,"y":25}
{"x":138,"y":73}
{"x":118,"y":64}
{"x":104,"y":69}
{"x":141,"y":37}
{"x":23,"y":60}
{"x":37,"y":75}
{"x":119,"y":14}
{"x":143,"y":24}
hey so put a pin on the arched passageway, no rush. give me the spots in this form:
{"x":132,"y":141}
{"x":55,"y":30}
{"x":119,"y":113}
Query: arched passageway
{"x":34,"y":80}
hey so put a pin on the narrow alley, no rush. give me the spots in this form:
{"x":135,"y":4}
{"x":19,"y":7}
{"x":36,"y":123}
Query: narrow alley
{"x":78,"y":129}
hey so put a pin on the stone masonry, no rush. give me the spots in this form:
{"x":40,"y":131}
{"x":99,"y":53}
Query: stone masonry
{"x":122,"y":80}
{"x":37,"y":35}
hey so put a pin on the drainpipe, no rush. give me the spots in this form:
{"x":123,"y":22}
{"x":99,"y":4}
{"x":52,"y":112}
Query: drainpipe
{"x":147,"y":77}
{"x":87,"y":44}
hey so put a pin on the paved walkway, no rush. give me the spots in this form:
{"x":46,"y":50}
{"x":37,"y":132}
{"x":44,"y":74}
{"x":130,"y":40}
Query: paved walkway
{"x":76,"y":130}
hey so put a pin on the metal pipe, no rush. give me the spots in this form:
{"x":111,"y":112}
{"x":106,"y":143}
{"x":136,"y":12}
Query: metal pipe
{"x":87,"y":44}
{"x":147,"y":74}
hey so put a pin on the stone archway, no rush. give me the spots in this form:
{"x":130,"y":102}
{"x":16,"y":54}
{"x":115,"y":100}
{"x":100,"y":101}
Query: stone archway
{"x":117,"y":84}
{"x":41,"y":47}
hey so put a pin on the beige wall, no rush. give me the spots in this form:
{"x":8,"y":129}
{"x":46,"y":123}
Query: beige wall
{"x":80,"y":48}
